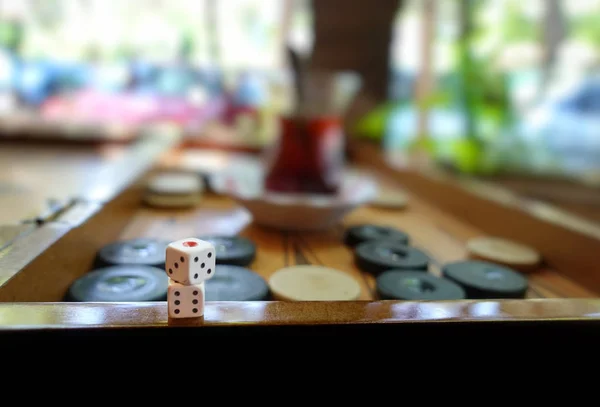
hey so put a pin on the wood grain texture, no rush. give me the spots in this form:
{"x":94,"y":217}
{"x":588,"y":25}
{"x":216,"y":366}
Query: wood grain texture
{"x":31,"y":316}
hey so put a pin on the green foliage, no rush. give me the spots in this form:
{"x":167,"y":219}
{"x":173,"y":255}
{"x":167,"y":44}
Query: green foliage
{"x":587,"y":28}
{"x":373,"y":124}
{"x":436,"y":99}
{"x":481,"y":91}
{"x":123,"y":52}
{"x":187,"y":46}
{"x":516,"y":26}
{"x":11,"y":35}
{"x":467,"y":154}
{"x":48,"y":13}
{"x":477,"y":91}
{"x":424,"y":144}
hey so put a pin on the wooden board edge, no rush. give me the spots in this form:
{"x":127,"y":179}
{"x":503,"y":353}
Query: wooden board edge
{"x":14,"y":316}
{"x":64,"y":249}
{"x":22,"y":251}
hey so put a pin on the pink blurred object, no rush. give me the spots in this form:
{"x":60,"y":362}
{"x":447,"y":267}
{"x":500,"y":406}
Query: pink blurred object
{"x":127,"y":108}
{"x":231,"y":110}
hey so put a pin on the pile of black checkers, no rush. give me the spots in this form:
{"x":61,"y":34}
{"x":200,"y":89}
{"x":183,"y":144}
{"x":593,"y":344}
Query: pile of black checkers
{"x":403,"y":271}
{"x":133,"y":271}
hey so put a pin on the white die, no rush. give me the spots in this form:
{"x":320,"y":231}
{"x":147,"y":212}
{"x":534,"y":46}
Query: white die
{"x":185,"y":301}
{"x":190,"y":261}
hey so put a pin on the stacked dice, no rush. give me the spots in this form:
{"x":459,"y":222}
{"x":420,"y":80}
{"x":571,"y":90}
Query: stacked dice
{"x":189,"y":263}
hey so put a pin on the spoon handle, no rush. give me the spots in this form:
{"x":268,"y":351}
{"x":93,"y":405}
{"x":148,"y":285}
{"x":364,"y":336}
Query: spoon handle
{"x":298,"y":78}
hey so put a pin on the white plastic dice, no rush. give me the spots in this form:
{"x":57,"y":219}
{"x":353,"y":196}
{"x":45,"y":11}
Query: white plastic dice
{"x":190,"y":261}
{"x":185,"y":301}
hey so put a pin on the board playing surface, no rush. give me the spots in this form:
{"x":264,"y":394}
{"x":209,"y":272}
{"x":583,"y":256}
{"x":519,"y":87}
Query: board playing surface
{"x":438,"y":234}
{"x":441,"y":235}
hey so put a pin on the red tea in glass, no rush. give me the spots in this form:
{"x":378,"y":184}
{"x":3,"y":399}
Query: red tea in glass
{"x":308,"y":156}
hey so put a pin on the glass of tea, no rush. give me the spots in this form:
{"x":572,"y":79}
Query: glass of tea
{"x":308,"y":156}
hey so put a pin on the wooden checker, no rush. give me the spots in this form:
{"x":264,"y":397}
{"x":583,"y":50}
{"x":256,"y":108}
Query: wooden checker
{"x":173,"y":190}
{"x":505,"y":252}
{"x":313,"y":283}
{"x":390,"y":199}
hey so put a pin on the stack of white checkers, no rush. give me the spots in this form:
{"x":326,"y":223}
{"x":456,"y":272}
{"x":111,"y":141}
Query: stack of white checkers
{"x":188,"y":264}
{"x":174,"y":190}
{"x":390,"y":199}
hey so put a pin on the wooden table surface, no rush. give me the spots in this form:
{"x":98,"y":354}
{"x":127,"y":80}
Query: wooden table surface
{"x":33,"y":175}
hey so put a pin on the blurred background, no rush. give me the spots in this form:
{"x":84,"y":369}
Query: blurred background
{"x":490,"y":88}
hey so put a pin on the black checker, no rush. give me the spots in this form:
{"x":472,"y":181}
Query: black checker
{"x":143,"y":251}
{"x":379,"y":255}
{"x":233,"y":250}
{"x":483,"y":280}
{"x":417,"y":286}
{"x":235,"y":283}
{"x":358,"y":234}
{"x":128,"y":283}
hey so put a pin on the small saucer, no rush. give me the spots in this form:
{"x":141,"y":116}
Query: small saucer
{"x":293,"y":212}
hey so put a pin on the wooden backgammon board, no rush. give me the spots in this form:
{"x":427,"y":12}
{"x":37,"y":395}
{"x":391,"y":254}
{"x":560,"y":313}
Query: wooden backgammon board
{"x":431,"y":220}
